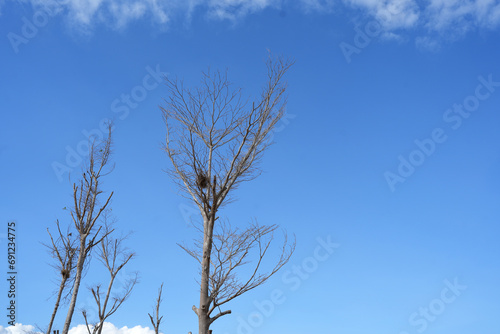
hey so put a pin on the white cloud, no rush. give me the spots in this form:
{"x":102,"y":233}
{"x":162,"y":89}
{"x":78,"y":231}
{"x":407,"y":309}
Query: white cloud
{"x":317,"y":5}
{"x":85,"y":14}
{"x":392,"y":14}
{"x":17,"y":329}
{"x":234,"y":9}
{"x":426,"y":43}
{"x":442,"y":18}
{"x":460,"y":16}
{"x":108,"y":328}
{"x":124,"y":13}
{"x":84,"y":10}
{"x":441,"y":14}
{"x":391,"y":36}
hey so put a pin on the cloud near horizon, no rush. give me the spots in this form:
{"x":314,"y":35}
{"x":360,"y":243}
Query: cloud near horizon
{"x":108,"y":328}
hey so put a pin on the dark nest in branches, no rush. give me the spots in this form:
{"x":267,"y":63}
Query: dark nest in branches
{"x":202,"y":180}
{"x":65,"y":273}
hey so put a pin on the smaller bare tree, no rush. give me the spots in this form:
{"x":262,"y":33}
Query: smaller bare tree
{"x":64,"y":249}
{"x":155,"y":318}
{"x":114,"y":256}
{"x":86,"y":212}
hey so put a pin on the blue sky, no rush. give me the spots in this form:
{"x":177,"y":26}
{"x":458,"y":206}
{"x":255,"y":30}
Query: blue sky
{"x":386,"y":167}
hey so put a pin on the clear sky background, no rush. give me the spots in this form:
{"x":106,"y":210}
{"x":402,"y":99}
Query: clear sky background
{"x":390,"y":150}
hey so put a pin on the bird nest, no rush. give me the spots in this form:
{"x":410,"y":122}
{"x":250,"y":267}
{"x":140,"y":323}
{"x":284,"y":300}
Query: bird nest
{"x":65,"y":273}
{"x":202,"y":180}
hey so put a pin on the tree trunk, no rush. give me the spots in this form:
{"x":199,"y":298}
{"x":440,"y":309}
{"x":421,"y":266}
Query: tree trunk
{"x":203,"y":324}
{"x":56,"y":307}
{"x":203,"y":317}
{"x":76,"y":285}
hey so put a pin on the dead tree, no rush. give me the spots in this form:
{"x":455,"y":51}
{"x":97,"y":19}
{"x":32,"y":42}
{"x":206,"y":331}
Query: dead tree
{"x":64,"y":249}
{"x":215,"y":141}
{"x":86,"y":211}
{"x":115,"y":257}
{"x":155,"y":318}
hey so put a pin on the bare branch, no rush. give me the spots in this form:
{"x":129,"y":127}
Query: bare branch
{"x":86,"y":211}
{"x":232,"y":249}
{"x":64,"y":249}
{"x":155,"y":318}
{"x":114,"y":256}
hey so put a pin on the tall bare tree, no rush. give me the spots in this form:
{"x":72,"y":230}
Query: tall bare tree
{"x":64,"y":249}
{"x":114,"y":256}
{"x":86,"y":211}
{"x":155,"y":318}
{"x":215,"y":141}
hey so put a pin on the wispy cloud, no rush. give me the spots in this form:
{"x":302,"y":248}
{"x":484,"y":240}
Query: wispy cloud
{"x":234,"y":9}
{"x":84,"y":14}
{"x":433,"y":15}
{"x":462,"y":15}
{"x":317,"y":5}
{"x":432,"y":21}
{"x":426,"y":43}
{"x":392,"y":14}
{"x":428,"y":19}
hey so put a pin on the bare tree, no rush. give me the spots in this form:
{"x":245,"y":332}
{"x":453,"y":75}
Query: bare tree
{"x":64,"y":249}
{"x":155,"y":318}
{"x":86,"y":212}
{"x":115,"y":257}
{"x":215,"y":141}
